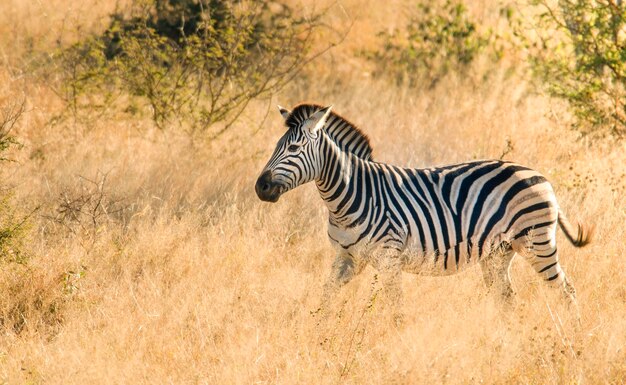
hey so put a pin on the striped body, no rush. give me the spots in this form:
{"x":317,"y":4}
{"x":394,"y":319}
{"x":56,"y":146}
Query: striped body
{"x":442,"y":219}
{"x":433,"y":221}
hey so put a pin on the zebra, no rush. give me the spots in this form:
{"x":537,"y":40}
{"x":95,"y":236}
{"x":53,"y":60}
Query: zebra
{"x":433,"y":221}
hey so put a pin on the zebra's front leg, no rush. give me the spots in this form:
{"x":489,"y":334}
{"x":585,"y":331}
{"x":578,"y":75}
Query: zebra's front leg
{"x":344,"y":268}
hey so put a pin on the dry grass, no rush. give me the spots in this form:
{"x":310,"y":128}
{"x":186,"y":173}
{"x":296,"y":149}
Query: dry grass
{"x":184,"y":276}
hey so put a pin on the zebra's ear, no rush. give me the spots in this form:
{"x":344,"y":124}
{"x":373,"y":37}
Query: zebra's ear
{"x":284,"y":112}
{"x":316,"y":121}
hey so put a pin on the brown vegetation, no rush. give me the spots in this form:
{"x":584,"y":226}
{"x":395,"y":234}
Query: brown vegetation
{"x":149,"y":258}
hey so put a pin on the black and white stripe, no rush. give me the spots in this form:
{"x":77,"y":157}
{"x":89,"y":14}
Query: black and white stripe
{"x":431,"y":221}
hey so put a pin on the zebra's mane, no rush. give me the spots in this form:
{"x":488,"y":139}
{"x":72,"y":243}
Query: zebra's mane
{"x":345,"y":134}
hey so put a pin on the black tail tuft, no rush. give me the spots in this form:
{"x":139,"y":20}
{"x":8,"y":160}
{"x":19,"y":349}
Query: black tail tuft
{"x":580,"y":236}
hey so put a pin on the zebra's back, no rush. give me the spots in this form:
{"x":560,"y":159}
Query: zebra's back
{"x":445,"y":218}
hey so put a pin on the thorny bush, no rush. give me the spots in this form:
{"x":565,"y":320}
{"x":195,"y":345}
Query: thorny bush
{"x":188,"y":63}
{"x":580,"y":55}
{"x":437,"y":40}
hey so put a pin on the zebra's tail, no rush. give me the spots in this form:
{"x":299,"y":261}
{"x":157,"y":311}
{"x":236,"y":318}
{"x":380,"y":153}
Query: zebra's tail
{"x":580,"y":235}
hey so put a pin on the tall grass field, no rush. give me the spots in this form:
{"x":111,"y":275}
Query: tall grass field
{"x":133,"y":253}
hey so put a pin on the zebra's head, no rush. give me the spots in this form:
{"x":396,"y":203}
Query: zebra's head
{"x":296,"y":159}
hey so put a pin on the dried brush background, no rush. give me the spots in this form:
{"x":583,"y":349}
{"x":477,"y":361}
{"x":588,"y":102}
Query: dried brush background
{"x":146,"y":257}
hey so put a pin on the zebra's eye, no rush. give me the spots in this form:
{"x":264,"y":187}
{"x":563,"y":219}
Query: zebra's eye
{"x":293,"y":148}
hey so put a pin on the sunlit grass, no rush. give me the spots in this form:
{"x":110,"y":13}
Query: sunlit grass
{"x":189,"y":278}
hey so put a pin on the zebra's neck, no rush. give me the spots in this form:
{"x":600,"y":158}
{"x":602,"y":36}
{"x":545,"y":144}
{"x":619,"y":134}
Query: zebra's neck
{"x":337,"y":180}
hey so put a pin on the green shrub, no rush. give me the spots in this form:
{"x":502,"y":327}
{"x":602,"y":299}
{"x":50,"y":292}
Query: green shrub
{"x":10,"y":114}
{"x":438,"y":39}
{"x":189,"y":63}
{"x":580,"y":55}
{"x":12,"y":225}
{"x":12,"y":231}
{"x":84,"y":78}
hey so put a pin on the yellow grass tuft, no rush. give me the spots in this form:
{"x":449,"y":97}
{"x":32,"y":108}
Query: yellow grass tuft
{"x":186,"y":277}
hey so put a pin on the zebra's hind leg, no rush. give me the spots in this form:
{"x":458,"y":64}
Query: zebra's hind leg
{"x":546,"y":263}
{"x":542,"y":254}
{"x":392,"y":282}
{"x":496,"y":275}
{"x":389,"y":266}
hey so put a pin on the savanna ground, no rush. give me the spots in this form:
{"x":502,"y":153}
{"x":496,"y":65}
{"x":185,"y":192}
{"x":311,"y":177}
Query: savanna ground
{"x":173,"y":271}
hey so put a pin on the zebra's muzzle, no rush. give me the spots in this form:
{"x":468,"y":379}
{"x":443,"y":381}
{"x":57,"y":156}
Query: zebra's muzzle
{"x":266,"y":189}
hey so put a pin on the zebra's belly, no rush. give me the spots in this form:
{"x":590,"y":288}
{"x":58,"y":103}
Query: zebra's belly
{"x":434,"y":263}
{"x":457,"y":258}
{"x":413,"y":258}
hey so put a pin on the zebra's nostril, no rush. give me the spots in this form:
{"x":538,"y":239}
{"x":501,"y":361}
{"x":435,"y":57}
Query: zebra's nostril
{"x":266,"y":187}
